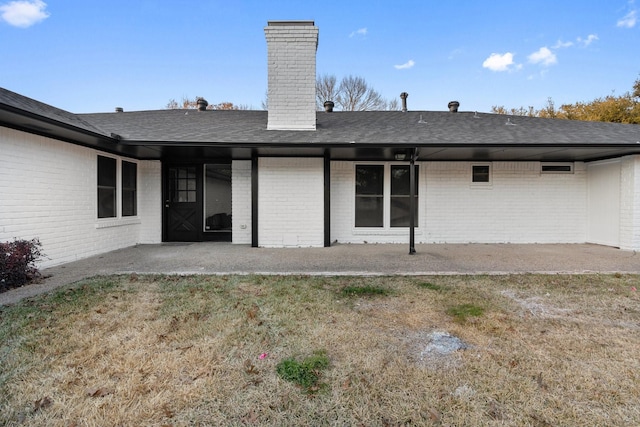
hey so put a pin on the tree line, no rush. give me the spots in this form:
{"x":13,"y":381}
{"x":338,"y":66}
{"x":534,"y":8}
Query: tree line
{"x":352,"y":93}
{"x":623,"y":108}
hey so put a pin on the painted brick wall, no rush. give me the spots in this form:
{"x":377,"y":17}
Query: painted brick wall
{"x":241,"y":201}
{"x":48,"y":190}
{"x":630,"y":203}
{"x":291,"y":202}
{"x":291,"y":62}
{"x":150,"y":204}
{"x":521,"y":205}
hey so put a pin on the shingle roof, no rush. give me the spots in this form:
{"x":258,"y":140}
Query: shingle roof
{"x":367,"y":127}
{"x":16,"y":102}
{"x":372,"y":135}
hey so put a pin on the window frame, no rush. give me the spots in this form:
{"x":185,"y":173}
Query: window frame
{"x":128,"y":190}
{"x":119,"y":212}
{"x":386,"y":227}
{"x":106,"y":182}
{"x":488,"y":182}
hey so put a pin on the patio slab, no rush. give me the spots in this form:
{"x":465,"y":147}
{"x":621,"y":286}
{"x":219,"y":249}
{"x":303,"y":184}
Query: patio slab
{"x":368,"y":259}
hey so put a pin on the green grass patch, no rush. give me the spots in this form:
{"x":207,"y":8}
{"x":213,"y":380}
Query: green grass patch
{"x":461,"y":312}
{"x":305,"y":373}
{"x":430,"y":286}
{"x":364,"y":291}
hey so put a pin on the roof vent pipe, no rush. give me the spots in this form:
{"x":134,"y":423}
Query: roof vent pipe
{"x":328,"y":106}
{"x":453,"y":106}
{"x":403,"y":96}
{"x":202,"y":104}
{"x":119,"y":110}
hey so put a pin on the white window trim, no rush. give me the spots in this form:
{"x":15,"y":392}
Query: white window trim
{"x":118,"y":220}
{"x":481,"y":184}
{"x":386,"y":229}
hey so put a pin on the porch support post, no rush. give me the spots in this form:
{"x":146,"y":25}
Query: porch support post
{"x":412,"y":202}
{"x":327,"y":198}
{"x":254,"y":199}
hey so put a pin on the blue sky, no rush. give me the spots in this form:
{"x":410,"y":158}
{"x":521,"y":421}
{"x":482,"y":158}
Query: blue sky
{"x":91,"y":56}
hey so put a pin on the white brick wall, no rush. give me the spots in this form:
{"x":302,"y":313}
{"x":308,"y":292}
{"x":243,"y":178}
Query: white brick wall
{"x":290,"y":202}
{"x":150,"y":201}
{"x":241,"y":201}
{"x":291,"y":62}
{"x":630,"y":203}
{"x":521,"y":205}
{"x":48,"y":190}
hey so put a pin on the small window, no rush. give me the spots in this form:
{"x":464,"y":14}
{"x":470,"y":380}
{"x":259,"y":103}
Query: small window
{"x":129,"y":186}
{"x":556,"y":168}
{"x":480,"y":173}
{"x":369,"y":196}
{"x":106,"y":187}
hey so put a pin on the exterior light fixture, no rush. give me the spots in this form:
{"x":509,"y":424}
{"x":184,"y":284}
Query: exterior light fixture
{"x":400,"y":156}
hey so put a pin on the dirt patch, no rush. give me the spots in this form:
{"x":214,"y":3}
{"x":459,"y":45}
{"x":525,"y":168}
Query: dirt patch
{"x":535,"y":306}
{"x":436,"y":349}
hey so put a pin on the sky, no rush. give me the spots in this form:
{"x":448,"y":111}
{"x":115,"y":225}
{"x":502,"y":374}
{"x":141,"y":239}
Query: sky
{"x":92,"y":56}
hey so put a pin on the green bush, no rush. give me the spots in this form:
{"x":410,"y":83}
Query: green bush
{"x":17,"y":263}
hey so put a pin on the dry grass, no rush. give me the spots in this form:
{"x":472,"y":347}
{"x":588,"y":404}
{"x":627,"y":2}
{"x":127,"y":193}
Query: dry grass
{"x":178,"y":351}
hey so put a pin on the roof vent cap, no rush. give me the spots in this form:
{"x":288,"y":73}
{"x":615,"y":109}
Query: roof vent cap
{"x":404,"y":96}
{"x":119,"y":110}
{"x":453,"y":106}
{"x":202,"y":104}
{"x":328,"y":106}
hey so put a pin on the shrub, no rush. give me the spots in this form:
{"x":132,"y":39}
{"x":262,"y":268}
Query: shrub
{"x":17,"y":262}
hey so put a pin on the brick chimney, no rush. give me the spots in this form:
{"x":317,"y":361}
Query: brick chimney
{"x":291,"y":56}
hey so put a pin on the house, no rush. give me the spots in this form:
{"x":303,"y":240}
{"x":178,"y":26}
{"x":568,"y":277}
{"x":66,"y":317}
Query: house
{"x":292,"y":176}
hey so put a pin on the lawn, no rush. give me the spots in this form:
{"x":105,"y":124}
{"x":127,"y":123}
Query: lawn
{"x":287,"y":350}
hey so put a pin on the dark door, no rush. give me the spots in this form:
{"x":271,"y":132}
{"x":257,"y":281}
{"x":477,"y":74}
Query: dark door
{"x":183,"y":207}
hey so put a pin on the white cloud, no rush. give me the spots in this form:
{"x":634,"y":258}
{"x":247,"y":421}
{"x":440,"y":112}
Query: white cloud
{"x":590,"y":39}
{"x":629,"y":20}
{"x":497,"y":62}
{"x":543,"y":56}
{"x":24,"y":13}
{"x":560,"y":44}
{"x":410,"y":63}
{"x":360,"y":32}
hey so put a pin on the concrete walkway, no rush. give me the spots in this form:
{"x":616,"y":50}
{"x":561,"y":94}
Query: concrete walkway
{"x":431,"y":259}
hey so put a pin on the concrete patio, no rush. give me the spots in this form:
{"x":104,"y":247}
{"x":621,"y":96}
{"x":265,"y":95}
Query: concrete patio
{"x":383,"y":259}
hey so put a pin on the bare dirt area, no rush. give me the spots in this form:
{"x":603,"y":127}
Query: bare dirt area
{"x":441,"y":350}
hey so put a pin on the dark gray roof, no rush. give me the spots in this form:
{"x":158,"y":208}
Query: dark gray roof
{"x":11,"y":101}
{"x":427,"y":128}
{"x":366,"y":135}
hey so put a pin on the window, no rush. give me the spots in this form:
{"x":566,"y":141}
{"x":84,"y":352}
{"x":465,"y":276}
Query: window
{"x":111,"y":188}
{"x":183,"y":184}
{"x":106,"y":187}
{"x":481,"y":173}
{"x":400,"y":184}
{"x":369,"y":196}
{"x":384,"y":189}
{"x":129,"y":185}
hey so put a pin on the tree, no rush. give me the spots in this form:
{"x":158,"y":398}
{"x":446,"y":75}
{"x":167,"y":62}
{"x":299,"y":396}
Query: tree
{"x":351,"y":94}
{"x":192,"y":104}
{"x":615,"y":109}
